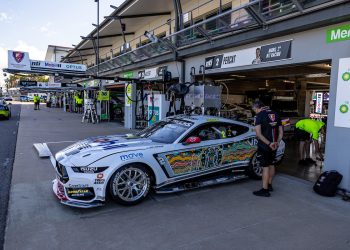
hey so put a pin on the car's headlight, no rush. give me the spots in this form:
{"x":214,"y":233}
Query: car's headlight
{"x":89,"y":170}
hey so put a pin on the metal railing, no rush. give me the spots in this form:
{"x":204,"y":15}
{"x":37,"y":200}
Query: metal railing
{"x":141,"y":40}
{"x":256,"y":13}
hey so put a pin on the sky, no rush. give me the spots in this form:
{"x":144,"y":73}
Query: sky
{"x":32,"y":25}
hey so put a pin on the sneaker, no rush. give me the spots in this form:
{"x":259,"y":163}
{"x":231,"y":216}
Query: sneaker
{"x":262,"y":192}
{"x":270,"y":188}
{"x":309,"y":160}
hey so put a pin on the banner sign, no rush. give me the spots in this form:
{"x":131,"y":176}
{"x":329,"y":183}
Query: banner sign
{"x":49,"y":84}
{"x":128,"y":94}
{"x":153,"y":72}
{"x":57,"y":66}
{"x":141,"y":74}
{"x":18,"y":60}
{"x":341,"y":33}
{"x":263,"y":54}
{"x":71,"y":85}
{"x":342,"y":112}
{"x":28,"y":84}
{"x":128,"y":75}
{"x":40,"y":84}
{"x":103,"y":95}
{"x":150,"y":73}
{"x":319,"y":102}
{"x":91,"y":83}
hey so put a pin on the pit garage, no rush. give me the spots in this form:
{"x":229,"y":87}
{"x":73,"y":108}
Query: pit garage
{"x":294,"y":91}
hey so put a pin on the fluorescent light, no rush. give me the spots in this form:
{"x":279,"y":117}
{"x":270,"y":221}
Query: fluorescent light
{"x":317,"y":75}
{"x":238,"y":76}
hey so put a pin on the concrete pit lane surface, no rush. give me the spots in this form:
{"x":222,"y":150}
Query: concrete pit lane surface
{"x":220,"y":217}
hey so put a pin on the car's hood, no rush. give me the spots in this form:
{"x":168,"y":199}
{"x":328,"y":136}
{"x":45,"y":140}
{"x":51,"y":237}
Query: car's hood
{"x":89,"y":150}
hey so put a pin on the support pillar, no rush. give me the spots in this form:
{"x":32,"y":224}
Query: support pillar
{"x":301,"y":98}
{"x":130,"y":106}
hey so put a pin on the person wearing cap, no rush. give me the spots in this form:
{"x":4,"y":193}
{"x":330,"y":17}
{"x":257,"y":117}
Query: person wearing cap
{"x":307,"y":131}
{"x":269,"y":131}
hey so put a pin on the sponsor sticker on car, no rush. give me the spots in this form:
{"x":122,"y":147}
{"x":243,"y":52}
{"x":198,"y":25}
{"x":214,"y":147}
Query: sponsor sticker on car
{"x":131,"y":156}
{"x":99,"y":181}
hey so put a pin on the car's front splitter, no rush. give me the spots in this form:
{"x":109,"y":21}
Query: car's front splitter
{"x":58,"y":190}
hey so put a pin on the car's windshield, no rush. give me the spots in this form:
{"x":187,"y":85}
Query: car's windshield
{"x":165,"y":131}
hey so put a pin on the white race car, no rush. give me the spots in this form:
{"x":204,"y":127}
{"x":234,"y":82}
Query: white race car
{"x":172,"y":155}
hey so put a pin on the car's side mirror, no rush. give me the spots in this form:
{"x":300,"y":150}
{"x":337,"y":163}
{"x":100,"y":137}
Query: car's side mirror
{"x":192,"y":140}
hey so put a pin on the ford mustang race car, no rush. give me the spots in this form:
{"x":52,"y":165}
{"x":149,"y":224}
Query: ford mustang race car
{"x":172,"y":155}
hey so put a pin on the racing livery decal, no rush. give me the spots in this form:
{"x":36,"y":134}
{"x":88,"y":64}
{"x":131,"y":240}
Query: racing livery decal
{"x":200,"y":159}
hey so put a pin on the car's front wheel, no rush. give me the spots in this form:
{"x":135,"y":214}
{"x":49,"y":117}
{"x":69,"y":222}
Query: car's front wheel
{"x":130,"y":185}
{"x":254,"y":169}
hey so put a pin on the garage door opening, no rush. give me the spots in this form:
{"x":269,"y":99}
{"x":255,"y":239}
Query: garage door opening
{"x":296,"y":92}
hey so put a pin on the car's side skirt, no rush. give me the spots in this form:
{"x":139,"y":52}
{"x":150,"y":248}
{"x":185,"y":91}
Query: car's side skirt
{"x":195,"y":175}
{"x":205,"y":182}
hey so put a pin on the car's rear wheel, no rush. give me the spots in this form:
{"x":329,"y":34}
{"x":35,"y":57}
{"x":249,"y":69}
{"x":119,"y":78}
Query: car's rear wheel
{"x":254,"y":169}
{"x":130,"y":185}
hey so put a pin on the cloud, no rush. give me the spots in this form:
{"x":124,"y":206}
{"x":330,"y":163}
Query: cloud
{"x":47,"y":29}
{"x":34,"y":54}
{"x":3,"y":16}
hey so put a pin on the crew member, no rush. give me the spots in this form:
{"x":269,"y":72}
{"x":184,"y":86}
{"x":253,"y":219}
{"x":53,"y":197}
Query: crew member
{"x":76,"y":103}
{"x":36,"y":100}
{"x":79,"y":104}
{"x":307,"y":131}
{"x":269,"y":131}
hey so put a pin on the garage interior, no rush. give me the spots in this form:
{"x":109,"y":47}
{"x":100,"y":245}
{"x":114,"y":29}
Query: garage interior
{"x":291,"y":91}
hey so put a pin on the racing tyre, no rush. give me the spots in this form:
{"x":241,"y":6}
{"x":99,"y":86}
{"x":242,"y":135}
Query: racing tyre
{"x":254,"y":169}
{"x":130,"y":185}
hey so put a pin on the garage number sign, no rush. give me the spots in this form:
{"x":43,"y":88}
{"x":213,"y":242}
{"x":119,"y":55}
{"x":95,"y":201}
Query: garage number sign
{"x":342,"y":108}
{"x":251,"y":56}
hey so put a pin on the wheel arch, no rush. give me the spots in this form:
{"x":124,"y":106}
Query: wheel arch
{"x":149,"y":168}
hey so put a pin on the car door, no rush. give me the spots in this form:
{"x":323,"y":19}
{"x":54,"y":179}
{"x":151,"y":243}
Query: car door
{"x":223,"y":145}
{"x":239,"y":146}
{"x":192,"y":159}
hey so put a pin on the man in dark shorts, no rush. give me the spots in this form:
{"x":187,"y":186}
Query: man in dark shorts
{"x":269,"y":131}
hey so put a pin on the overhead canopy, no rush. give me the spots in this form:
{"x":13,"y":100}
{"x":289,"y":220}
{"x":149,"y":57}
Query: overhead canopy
{"x":134,"y":14}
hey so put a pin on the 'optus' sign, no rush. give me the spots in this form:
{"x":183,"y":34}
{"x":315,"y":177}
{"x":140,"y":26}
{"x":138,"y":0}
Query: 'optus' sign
{"x":341,"y":33}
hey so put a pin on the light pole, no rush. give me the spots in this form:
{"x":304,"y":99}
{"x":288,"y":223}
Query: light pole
{"x":98,"y":37}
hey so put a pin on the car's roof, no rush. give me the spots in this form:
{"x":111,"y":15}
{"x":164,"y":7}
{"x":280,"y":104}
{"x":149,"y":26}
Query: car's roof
{"x":200,"y":119}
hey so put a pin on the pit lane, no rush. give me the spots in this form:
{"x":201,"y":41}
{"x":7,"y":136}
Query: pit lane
{"x":221,"y":217}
